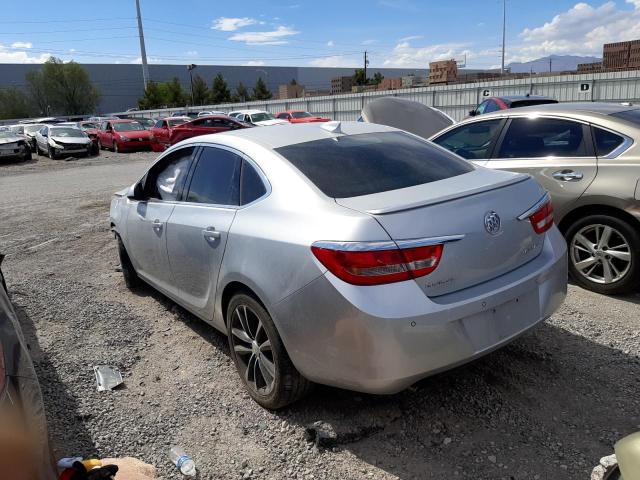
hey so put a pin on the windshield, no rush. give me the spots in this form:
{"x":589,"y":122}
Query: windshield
{"x":178,"y":121}
{"x":261,"y":117}
{"x":301,"y":115}
{"x":370,"y":163}
{"x":66,"y":132}
{"x":7,"y":134}
{"x":33,"y":128}
{"x":17,"y":128}
{"x":147,"y":122}
{"x":127,"y":127}
{"x":88,"y":125}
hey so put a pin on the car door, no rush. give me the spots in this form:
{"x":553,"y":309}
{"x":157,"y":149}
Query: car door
{"x":146,"y":230}
{"x":162,"y":133}
{"x":199,"y":226}
{"x":558,"y":152}
{"x":41,"y":138}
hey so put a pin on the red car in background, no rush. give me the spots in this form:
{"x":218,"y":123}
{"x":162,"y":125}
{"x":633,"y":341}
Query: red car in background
{"x":300,"y":116}
{"x":204,"y":126}
{"x":161,"y":132}
{"x":122,"y":135}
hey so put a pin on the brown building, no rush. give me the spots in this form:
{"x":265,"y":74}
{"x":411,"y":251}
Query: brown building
{"x":590,"y":67}
{"x":615,"y":56}
{"x":341,"y":85}
{"x":445,"y":71}
{"x":290,"y":91}
{"x":390,"y":84}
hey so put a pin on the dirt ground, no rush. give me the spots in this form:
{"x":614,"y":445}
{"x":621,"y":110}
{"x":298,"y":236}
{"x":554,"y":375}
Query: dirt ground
{"x":547,"y":406}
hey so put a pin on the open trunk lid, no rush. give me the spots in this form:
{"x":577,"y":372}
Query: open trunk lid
{"x":457,"y":207}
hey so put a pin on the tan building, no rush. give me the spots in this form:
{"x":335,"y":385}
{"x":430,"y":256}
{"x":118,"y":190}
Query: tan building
{"x":445,"y":71}
{"x":590,"y":67}
{"x":290,"y":91}
{"x":390,"y":84}
{"x":615,"y":56}
{"x":341,"y":85}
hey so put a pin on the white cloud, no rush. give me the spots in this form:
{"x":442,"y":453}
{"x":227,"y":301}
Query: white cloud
{"x":9,"y":56}
{"x":330,"y":43}
{"x":226,"y":24}
{"x":254,"y":63}
{"x":274,"y":37}
{"x":405,"y":55}
{"x":412,"y":37}
{"x":335,"y":61}
{"x":21,"y":45}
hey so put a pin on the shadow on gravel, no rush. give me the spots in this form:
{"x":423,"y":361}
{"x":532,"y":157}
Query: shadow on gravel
{"x":16,"y":161}
{"x":66,"y":426}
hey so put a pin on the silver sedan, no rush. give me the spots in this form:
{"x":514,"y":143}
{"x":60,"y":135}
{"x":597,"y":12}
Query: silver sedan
{"x":347,"y":254}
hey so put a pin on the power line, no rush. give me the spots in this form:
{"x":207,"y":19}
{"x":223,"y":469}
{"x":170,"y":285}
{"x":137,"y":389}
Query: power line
{"x":83,"y":20}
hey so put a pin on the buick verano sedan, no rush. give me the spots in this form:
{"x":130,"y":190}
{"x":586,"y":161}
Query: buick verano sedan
{"x":347,"y":254}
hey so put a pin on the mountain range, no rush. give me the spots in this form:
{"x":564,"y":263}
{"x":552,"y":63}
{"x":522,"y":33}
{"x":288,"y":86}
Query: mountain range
{"x":558,"y":63}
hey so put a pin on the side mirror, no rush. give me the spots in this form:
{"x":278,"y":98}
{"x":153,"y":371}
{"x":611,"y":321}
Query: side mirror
{"x":136,"y":192}
{"x":472,"y":113}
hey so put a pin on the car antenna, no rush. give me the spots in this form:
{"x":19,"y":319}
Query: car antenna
{"x":333,"y":127}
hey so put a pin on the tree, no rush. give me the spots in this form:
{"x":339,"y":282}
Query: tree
{"x":14,"y":103}
{"x":220,"y":92}
{"x":260,"y":91}
{"x":293,"y":82}
{"x":63,"y":87}
{"x":377,"y":78}
{"x":153,"y":97}
{"x":359,"y":78}
{"x":173,"y":93}
{"x":201,"y":91}
{"x":242,"y":94}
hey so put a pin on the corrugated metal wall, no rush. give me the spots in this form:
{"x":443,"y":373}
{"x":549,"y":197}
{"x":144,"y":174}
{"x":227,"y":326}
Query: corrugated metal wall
{"x":456,"y":100}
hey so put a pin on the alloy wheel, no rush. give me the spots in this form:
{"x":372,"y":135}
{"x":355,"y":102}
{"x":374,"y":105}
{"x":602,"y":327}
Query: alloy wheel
{"x":600,"y":253}
{"x":252,"y":346}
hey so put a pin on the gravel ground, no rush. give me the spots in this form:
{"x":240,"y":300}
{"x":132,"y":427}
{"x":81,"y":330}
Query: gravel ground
{"x":547,"y":406}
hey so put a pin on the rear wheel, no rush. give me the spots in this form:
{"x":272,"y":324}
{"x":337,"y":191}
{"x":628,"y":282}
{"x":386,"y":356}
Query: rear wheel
{"x":604,"y":254}
{"x":259,"y":355}
{"x":131,"y":279}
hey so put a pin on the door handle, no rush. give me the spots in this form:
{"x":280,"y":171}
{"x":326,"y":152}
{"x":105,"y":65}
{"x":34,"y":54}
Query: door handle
{"x":568,"y":176}
{"x":157,"y":225}
{"x":210,"y":233}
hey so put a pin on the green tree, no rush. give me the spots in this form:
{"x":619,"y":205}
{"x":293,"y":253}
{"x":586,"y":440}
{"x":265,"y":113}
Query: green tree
{"x":293,"y":82}
{"x":260,"y":91}
{"x":359,"y":77}
{"x":14,"y":103}
{"x":220,"y":92}
{"x":200,"y":91}
{"x":377,"y":78}
{"x":173,"y":93}
{"x":241,"y":94}
{"x":65,"y":87}
{"x":153,"y":97}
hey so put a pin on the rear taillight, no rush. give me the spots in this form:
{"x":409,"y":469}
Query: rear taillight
{"x":542,"y":218}
{"x":376,"y":264}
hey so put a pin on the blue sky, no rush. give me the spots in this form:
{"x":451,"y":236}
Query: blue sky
{"x":397,"y":33}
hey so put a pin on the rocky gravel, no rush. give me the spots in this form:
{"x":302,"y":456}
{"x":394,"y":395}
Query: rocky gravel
{"x":547,"y":406}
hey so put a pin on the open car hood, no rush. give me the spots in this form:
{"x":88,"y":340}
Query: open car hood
{"x":413,"y":117}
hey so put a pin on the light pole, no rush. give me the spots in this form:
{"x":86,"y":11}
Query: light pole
{"x":190,"y":68}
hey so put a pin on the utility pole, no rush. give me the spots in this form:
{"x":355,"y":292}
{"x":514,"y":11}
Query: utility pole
{"x":366,"y":62}
{"x":190,"y":68}
{"x":549,"y":64}
{"x":143,"y":51}
{"x":504,"y":31}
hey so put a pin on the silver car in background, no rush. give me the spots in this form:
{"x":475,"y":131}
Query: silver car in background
{"x":348,"y":254}
{"x":588,"y":157}
{"x":54,"y":141}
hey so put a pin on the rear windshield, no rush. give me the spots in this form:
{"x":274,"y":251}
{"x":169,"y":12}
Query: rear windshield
{"x":529,"y":102}
{"x":632,"y":116}
{"x":355,"y":165}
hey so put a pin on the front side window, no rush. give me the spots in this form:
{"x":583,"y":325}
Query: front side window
{"x":471,"y":141}
{"x":301,"y":115}
{"x":543,"y":137}
{"x":216,"y":178}
{"x":492,"y":106}
{"x":482,"y":107}
{"x":177,"y":121}
{"x":167,"y":178}
{"x":606,"y":142}
{"x":158,"y":124}
{"x":370,"y":163}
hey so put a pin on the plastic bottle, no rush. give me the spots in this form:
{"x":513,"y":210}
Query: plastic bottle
{"x":183,"y":461}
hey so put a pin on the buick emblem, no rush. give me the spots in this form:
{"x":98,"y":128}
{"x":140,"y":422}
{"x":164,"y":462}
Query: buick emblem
{"x":492,"y":222}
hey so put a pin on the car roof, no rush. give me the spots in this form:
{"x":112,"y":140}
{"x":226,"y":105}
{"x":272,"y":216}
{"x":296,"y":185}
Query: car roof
{"x":250,"y":112}
{"x":277,"y":136}
{"x":515,"y":98}
{"x":179,"y":117}
{"x":568,"y":108}
{"x":123,"y":120}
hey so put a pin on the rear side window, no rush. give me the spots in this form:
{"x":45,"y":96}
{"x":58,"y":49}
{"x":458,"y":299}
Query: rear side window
{"x":365,"y":164}
{"x":471,"y":141}
{"x":216,"y":178}
{"x":251,"y":185}
{"x":167,"y":178}
{"x":606,"y":142}
{"x":632,"y":116}
{"x":543,"y":137}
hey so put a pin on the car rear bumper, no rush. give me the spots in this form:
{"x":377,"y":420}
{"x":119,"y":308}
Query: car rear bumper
{"x":382,"y":339}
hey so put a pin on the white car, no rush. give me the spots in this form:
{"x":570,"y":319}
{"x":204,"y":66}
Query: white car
{"x":259,"y":118}
{"x":210,"y":112}
{"x":55,"y":141}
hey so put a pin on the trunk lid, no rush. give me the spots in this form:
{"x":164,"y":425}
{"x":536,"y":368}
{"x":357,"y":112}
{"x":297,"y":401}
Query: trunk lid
{"x":458,"y":206}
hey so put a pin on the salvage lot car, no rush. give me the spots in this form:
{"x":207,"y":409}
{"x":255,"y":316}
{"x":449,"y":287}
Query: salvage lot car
{"x":495,"y":104}
{"x":162,"y":131}
{"x":204,"y":126}
{"x":55,"y":141}
{"x":259,"y":118}
{"x":14,"y":146}
{"x":300,"y":116}
{"x":124,"y":135}
{"x":20,"y":396}
{"x":348,"y":254}
{"x":587,"y":156}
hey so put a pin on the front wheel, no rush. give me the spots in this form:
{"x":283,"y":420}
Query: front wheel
{"x":51,"y":152}
{"x":259,"y":355}
{"x":604,"y":254}
{"x":131,"y":279}
{"x":115,"y":147}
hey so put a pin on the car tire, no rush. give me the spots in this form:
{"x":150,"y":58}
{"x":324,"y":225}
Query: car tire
{"x":263,"y":357}
{"x":131,"y":279}
{"x":51,"y":153}
{"x":115,"y":148}
{"x":604,"y":254}
{"x":28,"y":156}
